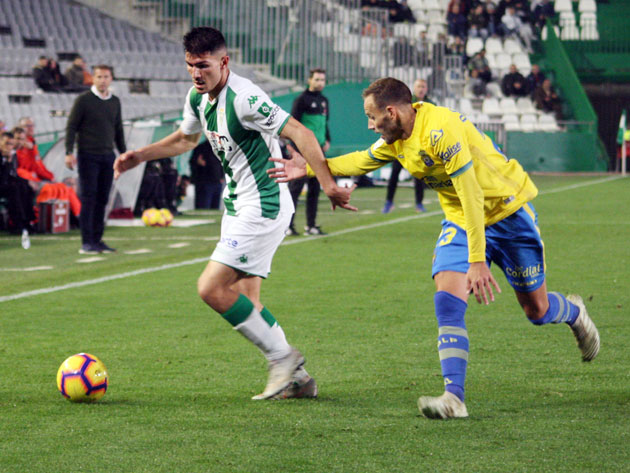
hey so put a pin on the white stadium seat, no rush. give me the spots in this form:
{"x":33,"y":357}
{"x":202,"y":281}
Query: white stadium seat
{"x":508,"y":105}
{"x":547,"y":123}
{"x":587,"y":6}
{"x":525,"y":105}
{"x":563,"y":5}
{"x":490,"y":106}
{"x":494,"y":46}
{"x":473,"y":46}
{"x":570,"y":33}
{"x":511,"y":123}
{"x":529,"y":122}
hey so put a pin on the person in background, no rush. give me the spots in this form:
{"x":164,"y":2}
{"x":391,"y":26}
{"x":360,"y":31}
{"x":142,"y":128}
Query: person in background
{"x":546,"y":99}
{"x":534,"y":79}
{"x":95,"y":122}
{"x":513,"y":83}
{"x":420,"y":90}
{"x":16,"y":190}
{"x":206,"y":174}
{"x":76,"y":75}
{"x":311,"y":109}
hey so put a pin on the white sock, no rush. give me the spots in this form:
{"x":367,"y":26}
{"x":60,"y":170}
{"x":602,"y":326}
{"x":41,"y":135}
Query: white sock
{"x":271,"y":340}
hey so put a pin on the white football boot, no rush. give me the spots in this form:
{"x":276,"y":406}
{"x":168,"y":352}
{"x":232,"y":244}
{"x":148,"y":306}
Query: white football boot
{"x":302,"y":386}
{"x":281,"y":374}
{"x":446,"y":406}
{"x":584,"y":330}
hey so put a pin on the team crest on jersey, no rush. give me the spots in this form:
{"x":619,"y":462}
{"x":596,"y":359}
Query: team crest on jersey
{"x":435,"y":136}
{"x":264,"y":109}
{"x":426,"y":159}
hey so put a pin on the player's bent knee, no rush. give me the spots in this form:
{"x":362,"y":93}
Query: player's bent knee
{"x":535,"y":311}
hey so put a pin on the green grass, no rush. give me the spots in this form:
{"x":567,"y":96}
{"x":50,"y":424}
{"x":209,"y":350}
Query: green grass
{"x":359,"y":304}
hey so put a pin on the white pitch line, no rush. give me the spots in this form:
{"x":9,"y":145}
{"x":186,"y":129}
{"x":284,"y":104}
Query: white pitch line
{"x":138,"y":272}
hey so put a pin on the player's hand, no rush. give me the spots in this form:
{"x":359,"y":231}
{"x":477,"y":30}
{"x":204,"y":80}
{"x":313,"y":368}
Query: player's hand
{"x":294,"y":168}
{"x":70,"y":161}
{"x":479,"y":279}
{"x":126,"y":161}
{"x":340,"y":197}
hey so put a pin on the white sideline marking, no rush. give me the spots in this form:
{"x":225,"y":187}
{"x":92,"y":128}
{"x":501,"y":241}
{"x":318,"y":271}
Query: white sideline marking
{"x":179,"y":245}
{"x":91,"y":259}
{"x":138,"y":272}
{"x":139,"y":251}
{"x":34,"y":268}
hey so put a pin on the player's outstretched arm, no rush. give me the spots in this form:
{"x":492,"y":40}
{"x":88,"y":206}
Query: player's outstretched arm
{"x":291,"y":169}
{"x":173,"y":145}
{"x":306,"y":143}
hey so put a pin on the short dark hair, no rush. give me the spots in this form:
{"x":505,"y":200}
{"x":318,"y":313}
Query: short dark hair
{"x":7,"y":134}
{"x":17,"y":130}
{"x":316,"y":70}
{"x":388,"y":91}
{"x":105,"y":67}
{"x":202,"y":40}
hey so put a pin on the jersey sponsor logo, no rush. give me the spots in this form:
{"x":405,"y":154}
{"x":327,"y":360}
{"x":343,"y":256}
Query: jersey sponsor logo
{"x":313,"y":104}
{"x":219,"y":143}
{"x":450,"y":152}
{"x":435,"y":136}
{"x":271,"y":113}
{"x":227,"y":241}
{"x":243,"y":259}
{"x":252,"y":100}
{"x":434,"y":183}
{"x":523,"y":271}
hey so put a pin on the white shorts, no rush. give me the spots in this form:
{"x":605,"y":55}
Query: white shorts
{"x":249,"y":241}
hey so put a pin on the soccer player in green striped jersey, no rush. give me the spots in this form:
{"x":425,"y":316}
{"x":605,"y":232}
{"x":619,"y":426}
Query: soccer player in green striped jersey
{"x":242,"y":124}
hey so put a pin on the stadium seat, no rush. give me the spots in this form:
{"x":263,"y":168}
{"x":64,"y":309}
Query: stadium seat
{"x":522,"y":62}
{"x":547,"y":123}
{"x":525,"y":105}
{"x":494,"y":90}
{"x":494,"y":46}
{"x":510,"y":122}
{"x":563,"y":5}
{"x":589,"y":33}
{"x":473,"y":46}
{"x":512,"y":46}
{"x":587,"y":6}
{"x":436,"y":17}
{"x":529,"y":122}
{"x":508,"y":105}
{"x":416,"y":4}
{"x":465,"y":106}
{"x":570,"y":33}
{"x":588,"y":18}
{"x":567,"y":18}
{"x":432,"y":5}
{"x":491,"y":107}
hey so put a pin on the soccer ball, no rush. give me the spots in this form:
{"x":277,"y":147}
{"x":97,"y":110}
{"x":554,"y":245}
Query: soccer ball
{"x":152,"y":218}
{"x":167,"y":217}
{"x":82,"y":378}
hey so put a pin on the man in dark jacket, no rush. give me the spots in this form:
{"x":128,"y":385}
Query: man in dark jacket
{"x":311,"y":109}
{"x":96,"y":118}
{"x":514,"y":84}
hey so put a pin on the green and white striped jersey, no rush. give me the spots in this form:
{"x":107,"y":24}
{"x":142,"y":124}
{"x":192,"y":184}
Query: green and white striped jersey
{"x":242,"y":125}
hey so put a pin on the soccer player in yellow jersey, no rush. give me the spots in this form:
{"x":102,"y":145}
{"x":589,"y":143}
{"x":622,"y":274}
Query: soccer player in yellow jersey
{"x":488,"y":218}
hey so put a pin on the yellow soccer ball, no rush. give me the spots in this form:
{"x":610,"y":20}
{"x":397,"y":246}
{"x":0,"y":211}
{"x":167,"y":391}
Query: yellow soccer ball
{"x":152,"y":218}
{"x":82,"y":378}
{"x":167,"y":217}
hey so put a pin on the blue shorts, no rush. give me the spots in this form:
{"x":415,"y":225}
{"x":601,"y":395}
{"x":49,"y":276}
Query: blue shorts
{"x":514,"y":244}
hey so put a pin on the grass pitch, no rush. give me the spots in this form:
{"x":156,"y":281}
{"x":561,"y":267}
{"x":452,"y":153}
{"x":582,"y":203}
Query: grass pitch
{"x":359,"y":304}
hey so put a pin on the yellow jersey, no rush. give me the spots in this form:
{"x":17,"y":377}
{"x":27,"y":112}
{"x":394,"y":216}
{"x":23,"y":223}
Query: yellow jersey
{"x":476,"y":184}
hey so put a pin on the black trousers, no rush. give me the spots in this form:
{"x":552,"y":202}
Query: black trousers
{"x":20,"y":199}
{"x":312,"y":197}
{"x":393,"y":183}
{"x":95,"y":181}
